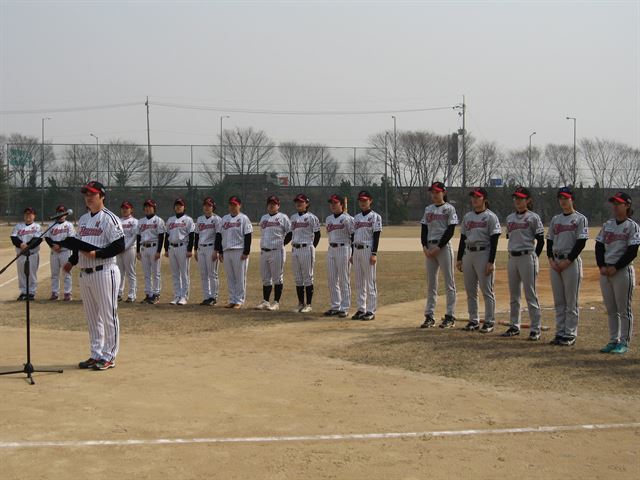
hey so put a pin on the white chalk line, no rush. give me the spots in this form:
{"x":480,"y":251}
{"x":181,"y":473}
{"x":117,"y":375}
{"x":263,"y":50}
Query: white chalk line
{"x":316,"y":438}
{"x":42,"y":265}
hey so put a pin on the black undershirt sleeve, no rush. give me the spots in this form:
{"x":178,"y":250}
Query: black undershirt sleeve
{"x":461,"y":246}
{"x":539,"y":244}
{"x":599,"y":254}
{"x":49,"y":241}
{"x":549,"y":248}
{"x":288,"y":237}
{"x":166,"y":243}
{"x":73,"y":258}
{"x":218,"y":243}
{"x":196,"y":240}
{"x":34,"y":242}
{"x":138,"y":240}
{"x":493,"y":247}
{"x":316,"y":238}
{"x":161,"y":237}
{"x":247,"y":244}
{"x":577,"y":248}
{"x":627,"y":258}
{"x":192,"y":236}
{"x":111,"y":250}
{"x":16,"y":242}
{"x":424,"y":235}
{"x":446,"y":236}
{"x":376,"y":242}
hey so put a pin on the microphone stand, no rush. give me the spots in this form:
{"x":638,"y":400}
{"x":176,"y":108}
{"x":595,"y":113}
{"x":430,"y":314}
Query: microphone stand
{"x":28,"y":368}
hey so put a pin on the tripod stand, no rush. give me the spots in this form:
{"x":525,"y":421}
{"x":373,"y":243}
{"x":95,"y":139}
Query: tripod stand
{"x":28,"y":368}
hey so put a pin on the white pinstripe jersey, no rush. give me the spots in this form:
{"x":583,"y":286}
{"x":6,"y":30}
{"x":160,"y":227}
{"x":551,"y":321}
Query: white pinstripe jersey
{"x":364,"y":226}
{"x":178,"y":229}
{"x":60,"y":231}
{"x":207,"y":227}
{"x":339,"y":229}
{"x":617,"y":237}
{"x":130,"y":229}
{"x":234,"y":230}
{"x":437,"y":218}
{"x":479,"y":227}
{"x":303,"y":226}
{"x":522,"y":230}
{"x":150,"y":228}
{"x":274,"y":228}
{"x":99,"y":230}
{"x":26,"y":232}
{"x":565,"y":230}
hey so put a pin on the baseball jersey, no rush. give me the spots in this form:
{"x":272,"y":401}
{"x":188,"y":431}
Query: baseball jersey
{"x":340,"y":228}
{"x":26,"y":232}
{"x":206,"y":228}
{"x":60,"y":231}
{"x":150,"y":228}
{"x":522,"y":230}
{"x":274,"y":228}
{"x":130,"y":229}
{"x":438,"y":218}
{"x":479,"y":227}
{"x":233,"y":231}
{"x":178,"y":229}
{"x":565,"y":230}
{"x":364,"y":226}
{"x":99,"y":230}
{"x":617,"y":237}
{"x":303,"y":227}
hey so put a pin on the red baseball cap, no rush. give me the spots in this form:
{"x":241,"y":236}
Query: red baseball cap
{"x":478,"y":192}
{"x":179,"y":201}
{"x":565,"y":192}
{"x":364,"y":195}
{"x":60,"y":208}
{"x":620,"y":197}
{"x":150,"y":203}
{"x":521,"y":192}
{"x":126,"y":204}
{"x":336,"y":198}
{"x":209,"y":201}
{"x":30,"y":210}
{"x":235,"y":200}
{"x":301,"y":197}
{"x":273,"y":199}
{"x":437,"y":187}
{"x":93,"y":187}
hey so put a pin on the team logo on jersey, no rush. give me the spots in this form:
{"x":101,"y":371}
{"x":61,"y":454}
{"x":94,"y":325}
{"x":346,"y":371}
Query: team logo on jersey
{"x":267,"y":223}
{"x":90,"y":232}
{"x":227,"y":225}
{"x":434,"y":217}
{"x":511,"y":226}
{"x":206,"y":226}
{"x":335,"y":226}
{"x":470,"y":225}
{"x":295,"y":225}
{"x":565,"y":228}
{"x":610,"y":237}
{"x":363,"y":224}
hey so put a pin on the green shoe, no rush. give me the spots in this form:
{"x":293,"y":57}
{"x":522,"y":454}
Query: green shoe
{"x":620,"y":348}
{"x":608,"y":347}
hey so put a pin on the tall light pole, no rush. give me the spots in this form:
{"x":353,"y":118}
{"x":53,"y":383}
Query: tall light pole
{"x":395,"y":142}
{"x":575,"y":162}
{"x":98,"y":154}
{"x":42,"y":168}
{"x":386,"y":178}
{"x":530,"y":171}
{"x":222,"y":162}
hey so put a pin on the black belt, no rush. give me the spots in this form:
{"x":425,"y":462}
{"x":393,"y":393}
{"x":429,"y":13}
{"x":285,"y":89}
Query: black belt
{"x":476,"y":249}
{"x":176,"y":244}
{"x":360,"y":247}
{"x":299,"y":245}
{"x":433,"y":241}
{"x":518,"y":254}
{"x":334,"y":245}
{"x":91,"y":270}
{"x":207,"y":245}
{"x":149,"y":244}
{"x":267,"y":249}
{"x":561,"y":256}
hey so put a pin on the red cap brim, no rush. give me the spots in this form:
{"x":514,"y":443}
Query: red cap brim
{"x":89,"y":190}
{"x":520,"y":195}
{"x":565,"y":195}
{"x":234,"y":202}
{"x":364,"y":198}
{"x":617,"y":200}
{"x":436,"y":189}
{"x":477,"y":194}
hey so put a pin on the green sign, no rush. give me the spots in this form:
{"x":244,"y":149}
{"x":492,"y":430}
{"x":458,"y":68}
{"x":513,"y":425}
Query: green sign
{"x":19,"y":157}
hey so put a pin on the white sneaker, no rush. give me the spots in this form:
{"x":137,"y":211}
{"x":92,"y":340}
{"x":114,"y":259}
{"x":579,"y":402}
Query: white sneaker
{"x":306,"y":309}
{"x":273,"y":307}
{"x":264,"y":305}
{"x":182,"y":301}
{"x":299,"y":308}
{"x":174,"y":301}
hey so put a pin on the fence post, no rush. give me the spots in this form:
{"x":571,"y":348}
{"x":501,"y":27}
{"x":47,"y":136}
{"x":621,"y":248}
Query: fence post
{"x":354,"y":166}
{"x":322,"y":168}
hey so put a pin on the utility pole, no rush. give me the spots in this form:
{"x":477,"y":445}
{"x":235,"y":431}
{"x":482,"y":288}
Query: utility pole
{"x":464,"y":143}
{"x":149,"y":150}
{"x":42,"y":168}
{"x":386,"y":179}
{"x":395,"y":143}
{"x":530,"y":169}
{"x":223,"y":166}
{"x":575,"y":162}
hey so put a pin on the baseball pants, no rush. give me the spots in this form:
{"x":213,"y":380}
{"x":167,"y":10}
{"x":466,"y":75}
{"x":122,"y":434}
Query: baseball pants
{"x":523,"y":273}
{"x":100,"y":301}
{"x":179,"y":270}
{"x":272,"y":266}
{"x":566,"y":286}
{"x":473,"y":268}
{"x":366,"y":290}
{"x":617,"y":293}
{"x":56,"y":262}
{"x":236,"y":270}
{"x":444,"y":261}
{"x":126,"y":262}
{"x":338,"y":269}
{"x":34,"y":263}
{"x":151,"y":269}
{"x":303,"y":260}
{"x":208,"y":272}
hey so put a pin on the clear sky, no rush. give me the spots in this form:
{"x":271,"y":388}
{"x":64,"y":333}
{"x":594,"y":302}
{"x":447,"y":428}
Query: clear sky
{"x":523,"y":66}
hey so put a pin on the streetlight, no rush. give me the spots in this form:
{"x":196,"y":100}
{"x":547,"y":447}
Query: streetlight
{"x":222,"y":162}
{"x":395,"y":142}
{"x":575,"y":163}
{"x":98,"y":154}
{"x":42,"y":166}
{"x":530,"y":179}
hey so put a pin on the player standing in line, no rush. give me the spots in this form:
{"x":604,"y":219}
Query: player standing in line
{"x":276,"y":233}
{"x":305,"y":228}
{"x":99,"y":239}
{"x":616,"y":247}
{"x":438,"y":224}
{"x":207,"y":226}
{"x":60,"y":230}
{"x":479,"y":234}
{"x":126,"y":260}
{"x":340,"y":234}
{"x":150,"y":239}
{"x":524,"y":228}
{"x":367,"y":226}
{"x":567,"y":235}
{"x":233,"y":245}
{"x":178,"y":246}
{"x":21,"y":235}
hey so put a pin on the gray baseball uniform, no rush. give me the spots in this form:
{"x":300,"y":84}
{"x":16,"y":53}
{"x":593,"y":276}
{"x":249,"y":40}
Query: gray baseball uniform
{"x":126,"y":260}
{"x":24,"y":233}
{"x":234,"y":228}
{"x":206,"y":228}
{"x":478,"y":229}
{"x":303,"y":227}
{"x":177,"y":239}
{"x":523,"y":266}
{"x":564,"y":231}
{"x":150,"y":230}
{"x":339,"y":230}
{"x":617,"y":290}
{"x":437,"y":218}
{"x":272,"y":255}
{"x":366,"y":289}
{"x":58,"y":232}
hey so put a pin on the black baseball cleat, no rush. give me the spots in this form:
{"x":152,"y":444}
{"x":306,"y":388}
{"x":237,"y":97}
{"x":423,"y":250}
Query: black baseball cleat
{"x":88,"y":363}
{"x":154,"y":299}
{"x":206,"y":301}
{"x":368,"y":316}
{"x":119,"y":298}
{"x":357,"y":316}
{"x":534,"y":336}
{"x":567,"y":341}
{"x":512,"y":331}
{"x":145,"y":299}
{"x":429,"y":322}
{"x":448,"y":321}
{"x":342,"y":314}
{"x":214,"y":301}
{"x":32,"y":296}
{"x":21,"y":298}
{"x":471,"y":327}
{"x":556,"y":340}
{"x":331,"y":313}
{"x":487,"y":327}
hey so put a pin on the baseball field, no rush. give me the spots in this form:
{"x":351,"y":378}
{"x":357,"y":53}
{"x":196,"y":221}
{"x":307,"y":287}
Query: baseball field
{"x":202,"y":392}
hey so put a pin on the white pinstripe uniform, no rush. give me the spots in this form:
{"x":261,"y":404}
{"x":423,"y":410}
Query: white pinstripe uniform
{"x":206,"y":228}
{"x":233,"y":231}
{"x":126,"y":260}
{"x":366,"y":288}
{"x":149,"y":230}
{"x":339,"y":231}
{"x":58,"y":232}
{"x":25,"y":233}
{"x":178,"y":230}
{"x":303,"y":256}
{"x":272,"y":255}
{"x":99,"y":288}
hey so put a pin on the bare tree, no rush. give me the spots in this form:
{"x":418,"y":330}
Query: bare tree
{"x":303,"y":162}
{"x":245,"y":151}
{"x":25,"y":159}
{"x":125,"y":160}
{"x":601,"y":159}
{"x":483,"y":162}
{"x":516,"y":169}
{"x":629,"y":171}
{"x":164,"y":175}
{"x":80,"y":164}
{"x":561,"y":158}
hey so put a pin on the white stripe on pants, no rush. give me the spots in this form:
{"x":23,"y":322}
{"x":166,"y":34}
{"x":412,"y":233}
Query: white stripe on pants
{"x":444,"y":261}
{"x":523,"y":272}
{"x":208,"y":272}
{"x":151,"y":269}
{"x":272,"y":266}
{"x":366,"y":289}
{"x":127,"y":264}
{"x":56,"y":262}
{"x":99,"y":292}
{"x":303,"y":260}
{"x":34,"y":263}
{"x":179,"y":270}
{"x":338,"y":269}
{"x":566,"y":286}
{"x":617,"y":293}
{"x":236,"y":270}
{"x":473,"y":267}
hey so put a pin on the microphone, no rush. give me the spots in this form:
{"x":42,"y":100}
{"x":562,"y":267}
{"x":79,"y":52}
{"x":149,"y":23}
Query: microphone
{"x":61,"y":214}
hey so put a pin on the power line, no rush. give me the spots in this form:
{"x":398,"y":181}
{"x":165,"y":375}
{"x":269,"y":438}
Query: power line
{"x":69,"y":109}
